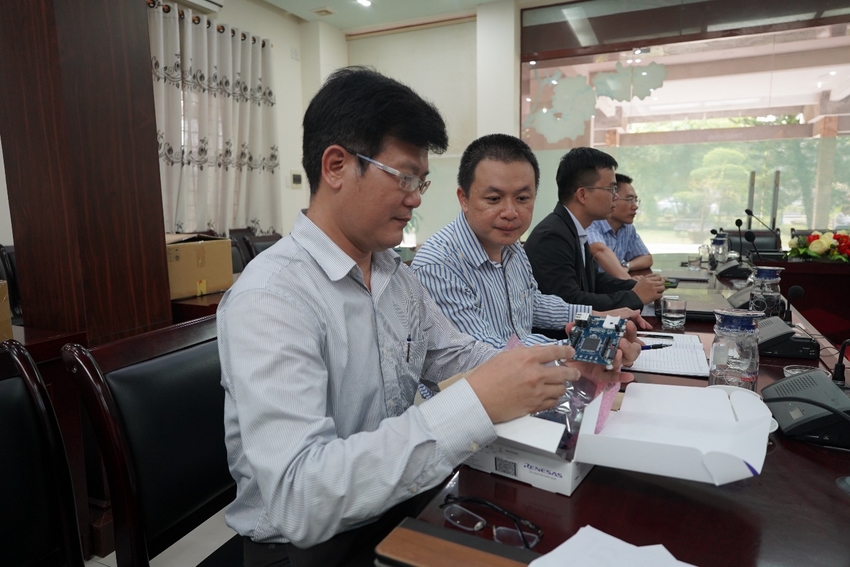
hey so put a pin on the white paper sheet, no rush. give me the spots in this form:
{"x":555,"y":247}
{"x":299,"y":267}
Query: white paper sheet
{"x":685,"y":358}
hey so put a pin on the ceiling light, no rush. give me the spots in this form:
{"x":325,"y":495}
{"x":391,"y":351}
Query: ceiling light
{"x":832,"y":73}
{"x":544,"y":111}
{"x":629,"y":61}
{"x":637,"y":51}
{"x":820,"y":84}
{"x":554,"y":82}
{"x":644,"y":73}
{"x":637,"y":60}
{"x":528,"y":99}
{"x":366,"y":3}
{"x":532,"y":62}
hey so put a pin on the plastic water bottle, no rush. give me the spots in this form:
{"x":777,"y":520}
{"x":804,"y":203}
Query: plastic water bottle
{"x":718,"y":249}
{"x":734,"y":357}
{"x":765,"y":295}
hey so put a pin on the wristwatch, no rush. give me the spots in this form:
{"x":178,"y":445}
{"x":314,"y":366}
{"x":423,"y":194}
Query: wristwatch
{"x":624,"y":264}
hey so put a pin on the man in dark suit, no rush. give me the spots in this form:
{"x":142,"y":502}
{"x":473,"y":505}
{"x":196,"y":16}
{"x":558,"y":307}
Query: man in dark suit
{"x":557,"y":247}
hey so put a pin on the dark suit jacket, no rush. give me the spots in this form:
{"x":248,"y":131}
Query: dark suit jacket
{"x":554,"y":251}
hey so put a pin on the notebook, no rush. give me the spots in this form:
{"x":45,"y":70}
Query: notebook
{"x":685,"y":358}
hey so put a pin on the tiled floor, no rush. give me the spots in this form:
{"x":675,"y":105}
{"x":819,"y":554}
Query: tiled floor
{"x":189,"y":551}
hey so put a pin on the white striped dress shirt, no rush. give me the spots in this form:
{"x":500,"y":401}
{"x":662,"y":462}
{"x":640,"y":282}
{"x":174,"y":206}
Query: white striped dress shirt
{"x":488,"y":300}
{"x":319,"y":376}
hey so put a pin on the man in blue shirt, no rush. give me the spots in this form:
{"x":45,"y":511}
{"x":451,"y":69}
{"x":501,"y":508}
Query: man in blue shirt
{"x":614,"y":242}
{"x":476,"y":269}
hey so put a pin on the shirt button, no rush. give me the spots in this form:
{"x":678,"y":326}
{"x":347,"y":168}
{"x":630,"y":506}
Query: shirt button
{"x":474,"y":447}
{"x":414,"y":489}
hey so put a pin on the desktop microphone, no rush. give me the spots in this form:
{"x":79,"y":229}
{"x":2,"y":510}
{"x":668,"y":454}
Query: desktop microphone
{"x":838,"y":370}
{"x":751,"y":238}
{"x":750,"y":213}
{"x":794,"y":292}
{"x":738,"y":223}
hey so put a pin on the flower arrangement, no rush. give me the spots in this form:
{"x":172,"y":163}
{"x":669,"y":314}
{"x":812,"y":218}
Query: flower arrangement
{"x":826,"y":246}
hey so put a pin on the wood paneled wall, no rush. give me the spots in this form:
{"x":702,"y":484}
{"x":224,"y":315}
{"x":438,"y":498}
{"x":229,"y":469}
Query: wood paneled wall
{"x":79,"y":141}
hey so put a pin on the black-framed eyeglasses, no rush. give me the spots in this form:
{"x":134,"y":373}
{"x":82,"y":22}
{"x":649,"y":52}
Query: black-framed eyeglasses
{"x":406,"y":181}
{"x":611,"y":189}
{"x":459,"y":516}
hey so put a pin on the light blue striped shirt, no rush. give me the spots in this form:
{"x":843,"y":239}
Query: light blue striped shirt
{"x":487,"y":300}
{"x":319,"y":376}
{"x":626,"y":244}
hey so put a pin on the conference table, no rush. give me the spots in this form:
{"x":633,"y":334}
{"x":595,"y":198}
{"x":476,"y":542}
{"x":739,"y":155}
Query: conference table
{"x":794,"y":513}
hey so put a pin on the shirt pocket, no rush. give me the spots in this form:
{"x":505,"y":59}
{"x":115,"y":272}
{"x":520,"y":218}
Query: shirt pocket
{"x":410,"y":361}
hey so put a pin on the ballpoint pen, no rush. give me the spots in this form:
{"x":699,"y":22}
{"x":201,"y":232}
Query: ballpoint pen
{"x":655,"y":346}
{"x":408,"y":348}
{"x":654,"y":336}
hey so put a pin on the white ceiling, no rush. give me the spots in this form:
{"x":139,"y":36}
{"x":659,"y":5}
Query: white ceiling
{"x":351,"y":17}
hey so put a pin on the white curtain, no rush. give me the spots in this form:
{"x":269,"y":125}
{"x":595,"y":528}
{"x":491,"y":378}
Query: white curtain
{"x":216,"y":123}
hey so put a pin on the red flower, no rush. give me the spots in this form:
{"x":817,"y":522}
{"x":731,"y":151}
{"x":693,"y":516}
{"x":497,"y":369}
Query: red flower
{"x":812,"y":237}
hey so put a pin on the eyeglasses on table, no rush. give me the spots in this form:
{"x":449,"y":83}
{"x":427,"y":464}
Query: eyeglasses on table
{"x":460,"y":516}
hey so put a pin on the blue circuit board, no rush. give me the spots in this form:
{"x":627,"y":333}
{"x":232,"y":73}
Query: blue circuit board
{"x":596,"y":338}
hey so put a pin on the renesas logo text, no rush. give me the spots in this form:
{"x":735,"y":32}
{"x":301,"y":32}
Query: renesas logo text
{"x":542,"y":471}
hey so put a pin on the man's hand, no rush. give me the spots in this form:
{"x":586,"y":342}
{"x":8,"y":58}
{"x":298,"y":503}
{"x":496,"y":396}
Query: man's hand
{"x":649,"y":288}
{"x":516,"y":382}
{"x":626,"y":313}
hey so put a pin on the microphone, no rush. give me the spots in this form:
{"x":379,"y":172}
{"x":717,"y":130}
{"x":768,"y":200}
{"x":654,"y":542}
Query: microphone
{"x":738,"y":223}
{"x":794,"y":292}
{"x":750,"y":213}
{"x":838,"y":370}
{"x":751,"y":238}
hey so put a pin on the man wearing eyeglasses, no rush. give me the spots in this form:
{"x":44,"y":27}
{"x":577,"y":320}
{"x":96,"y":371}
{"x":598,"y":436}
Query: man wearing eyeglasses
{"x":614,"y":242}
{"x":326,"y":336}
{"x":557,"y":248}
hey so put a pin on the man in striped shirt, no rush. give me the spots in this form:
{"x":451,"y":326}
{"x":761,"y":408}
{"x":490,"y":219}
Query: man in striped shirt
{"x":614,"y":242}
{"x":476,"y":269}
{"x":325,"y":337}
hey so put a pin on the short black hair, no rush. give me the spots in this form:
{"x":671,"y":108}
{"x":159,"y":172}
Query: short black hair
{"x":496,"y":147}
{"x":358,"y":108}
{"x":580,"y":168}
{"x":623,"y":178}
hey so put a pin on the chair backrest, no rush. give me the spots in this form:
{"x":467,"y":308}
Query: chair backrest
{"x":9,"y":272}
{"x":807,"y":231}
{"x":157,"y":408}
{"x":38,"y":523}
{"x":236,"y":257}
{"x":237,"y":235}
{"x":257,"y":244}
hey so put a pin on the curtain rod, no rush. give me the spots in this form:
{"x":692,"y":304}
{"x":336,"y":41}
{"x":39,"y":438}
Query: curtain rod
{"x":197,"y":20}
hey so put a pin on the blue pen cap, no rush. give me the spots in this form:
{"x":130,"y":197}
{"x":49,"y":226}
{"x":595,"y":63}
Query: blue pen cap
{"x":737,"y":319}
{"x":768,"y":272}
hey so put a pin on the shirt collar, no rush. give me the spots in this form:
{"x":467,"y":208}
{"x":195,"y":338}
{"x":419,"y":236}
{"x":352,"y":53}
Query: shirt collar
{"x":582,"y":233}
{"x":475,"y":253}
{"x":331,"y":259}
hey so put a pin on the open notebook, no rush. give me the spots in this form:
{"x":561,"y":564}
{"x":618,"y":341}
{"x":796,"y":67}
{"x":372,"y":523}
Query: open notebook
{"x":685,"y":358}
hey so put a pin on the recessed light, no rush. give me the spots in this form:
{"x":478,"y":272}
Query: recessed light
{"x":644,"y":73}
{"x":629,"y":61}
{"x":637,"y":51}
{"x":832,"y":73}
{"x":366,"y":3}
{"x":544,"y":111}
{"x":532,"y":62}
{"x":820,"y":84}
{"x":528,"y":99}
{"x":554,"y":82}
{"x":637,"y":60}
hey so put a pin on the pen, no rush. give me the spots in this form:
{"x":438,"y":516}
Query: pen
{"x":408,"y":348}
{"x":651,"y":336}
{"x":655,"y":346}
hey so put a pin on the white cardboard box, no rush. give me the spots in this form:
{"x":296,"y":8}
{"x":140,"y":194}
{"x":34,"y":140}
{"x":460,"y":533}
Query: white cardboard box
{"x":703,"y":434}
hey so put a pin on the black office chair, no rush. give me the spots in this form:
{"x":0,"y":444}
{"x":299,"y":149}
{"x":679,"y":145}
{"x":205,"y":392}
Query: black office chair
{"x":257,"y":244}
{"x":765,"y":240}
{"x":156,"y":406}
{"x":9,"y":273}
{"x":38,"y":523}
{"x":238,"y":235}
{"x":236,"y":257}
